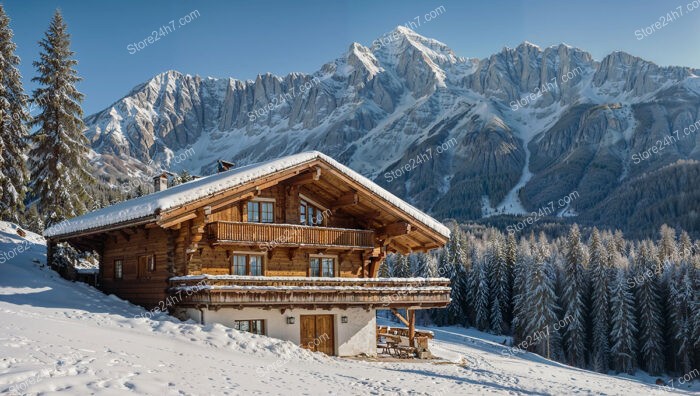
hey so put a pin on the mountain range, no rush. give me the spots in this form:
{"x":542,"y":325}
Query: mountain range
{"x":611,"y":142}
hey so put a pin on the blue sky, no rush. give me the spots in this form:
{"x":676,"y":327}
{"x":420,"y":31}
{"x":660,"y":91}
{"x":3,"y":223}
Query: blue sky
{"x":241,"y":39}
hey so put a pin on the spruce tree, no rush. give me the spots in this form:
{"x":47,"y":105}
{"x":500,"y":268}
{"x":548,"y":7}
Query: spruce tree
{"x":543,"y":301}
{"x":575,"y":288}
{"x":481,"y":302}
{"x":521,"y":281}
{"x":624,"y":325}
{"x":13,"y":127}
{"x":499,"y":283}
{"x":401,"y":267}
{"x":59,"y":156}
{"x":682,"y":300}
{"x":600,"y":308}
{"x":511,"y":258}
{"x":668,"y":251}
{"x":646,"y":279}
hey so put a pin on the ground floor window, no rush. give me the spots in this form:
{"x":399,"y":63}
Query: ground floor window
{"x":322,"y":266}
{"x":247,"y":264}
{"x":118,"y":269}
{"x":255,"y":326}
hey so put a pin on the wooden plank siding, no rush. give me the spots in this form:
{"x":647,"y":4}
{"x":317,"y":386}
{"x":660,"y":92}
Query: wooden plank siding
{"x":217,"y":261}
{"x":145,"y":289}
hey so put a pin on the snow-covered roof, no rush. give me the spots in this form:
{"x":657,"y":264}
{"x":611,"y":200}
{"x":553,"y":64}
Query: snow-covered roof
{"x":148,"y":206}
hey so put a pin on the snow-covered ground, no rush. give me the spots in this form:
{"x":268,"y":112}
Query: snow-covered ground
{"x":62,"y":337}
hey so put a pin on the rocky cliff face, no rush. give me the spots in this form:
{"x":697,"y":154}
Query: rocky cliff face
{"x":457,"y":137}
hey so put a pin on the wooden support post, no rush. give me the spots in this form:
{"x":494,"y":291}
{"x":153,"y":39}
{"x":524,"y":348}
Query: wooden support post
{"x":411,"y":326}
{"x":400,"y":317}
{"x":50,"y":245}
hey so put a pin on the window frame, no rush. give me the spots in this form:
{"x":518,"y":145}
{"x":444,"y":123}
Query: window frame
{"x":248,"y":267}
{"x":151,"y":263}
{"x":308,"y":206}
{"x":260,"y":213}
{"x":119,"y":260}
{"x":262,"y":327}
{"x":321,"y":272}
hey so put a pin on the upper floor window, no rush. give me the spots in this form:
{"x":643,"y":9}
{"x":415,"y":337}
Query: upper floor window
{"x":261,"y":212}
{"x":247,"y":264}
{"x":310,"y":214}
{"x":322,"y":267}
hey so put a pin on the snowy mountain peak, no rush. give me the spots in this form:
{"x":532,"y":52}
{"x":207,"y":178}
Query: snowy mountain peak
{"x":375,"y":108}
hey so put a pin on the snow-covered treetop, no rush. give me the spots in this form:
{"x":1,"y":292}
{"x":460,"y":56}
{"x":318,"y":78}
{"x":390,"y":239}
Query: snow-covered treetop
{"x":148,"y":206}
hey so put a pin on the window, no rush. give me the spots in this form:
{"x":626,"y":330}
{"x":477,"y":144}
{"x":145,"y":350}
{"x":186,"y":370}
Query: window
{"x":146,"y":265}
{"x":310,"y":214}
{"x":247,"y":264}
{"x":267,"y":212}
{"x":261,"y":212}
{"x":255,"y":265}
{"x":118,"y":269}
{"x":254,"y":212}
{"x":322,"y":267}
{"x":239,"y":265}
{"x":255,"y":326}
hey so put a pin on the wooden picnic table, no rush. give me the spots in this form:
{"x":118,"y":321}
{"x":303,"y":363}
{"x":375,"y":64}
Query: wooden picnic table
{"x":393,"y":347}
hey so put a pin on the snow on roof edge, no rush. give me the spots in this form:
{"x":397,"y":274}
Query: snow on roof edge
{"x":149,"y":205}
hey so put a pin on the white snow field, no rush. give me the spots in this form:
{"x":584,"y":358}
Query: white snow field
{"x":60,"y":337}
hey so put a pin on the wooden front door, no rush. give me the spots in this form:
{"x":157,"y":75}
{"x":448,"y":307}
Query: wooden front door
{"x":317,"y":333}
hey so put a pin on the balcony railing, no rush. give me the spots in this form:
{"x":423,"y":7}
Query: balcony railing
{"x":274,"y":235}
{"x":291,"y":292}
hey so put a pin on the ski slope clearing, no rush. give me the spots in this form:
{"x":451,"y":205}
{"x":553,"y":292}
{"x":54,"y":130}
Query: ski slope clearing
{"x":60,"y":337}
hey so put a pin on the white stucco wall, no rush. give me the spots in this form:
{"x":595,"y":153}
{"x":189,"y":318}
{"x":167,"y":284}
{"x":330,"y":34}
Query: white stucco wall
{"x":351,"y":339}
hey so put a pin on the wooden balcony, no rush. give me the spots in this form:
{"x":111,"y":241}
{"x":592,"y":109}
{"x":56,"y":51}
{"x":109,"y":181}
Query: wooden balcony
{"x":302,"y":292}
{"x":281,"y":235}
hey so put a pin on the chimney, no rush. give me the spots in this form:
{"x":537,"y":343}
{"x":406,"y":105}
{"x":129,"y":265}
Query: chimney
{"x":160,"y":182}
{"x":223,"y":166}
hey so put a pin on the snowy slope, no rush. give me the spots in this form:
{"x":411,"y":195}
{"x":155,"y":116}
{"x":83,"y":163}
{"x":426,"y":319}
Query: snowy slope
{"x":59,"y":337}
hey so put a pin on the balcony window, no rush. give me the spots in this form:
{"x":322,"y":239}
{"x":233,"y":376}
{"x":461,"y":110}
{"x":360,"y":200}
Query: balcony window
{"x":256,"y":326}
{"x":322,"y":267}
{"x":261,"y":212}
{"x":310,"y":214}
{"x":247,"y":264}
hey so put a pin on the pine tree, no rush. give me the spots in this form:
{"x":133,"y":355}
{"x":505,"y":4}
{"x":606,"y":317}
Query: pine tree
{"x":668,"y":252}
{"x":427,"y":266}
{"x":574,"y":299}
{"x":401,"y":267}
{"x":544,"y":307}
{"x":58,"y":159}
{"x":511,"y":258}
{"x":682,"y":298}
{"x":499,"y":284}
{"x":649,"y":311}
{"x":481,"y":301}
{"x":384,"y":269}
{"x":600,"y":307}
{"x":624,"y":325}
{"x":521,"y":280}
{"x":13,"y":127}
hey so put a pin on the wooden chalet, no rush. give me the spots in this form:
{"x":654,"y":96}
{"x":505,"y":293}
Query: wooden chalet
{"x":289,"y":248}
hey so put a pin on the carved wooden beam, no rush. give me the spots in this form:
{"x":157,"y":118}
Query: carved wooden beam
{"x":305,"y":178}
{"x":394,"y":229}
{"x":177,"y":220}
{"x":347,"y":199}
